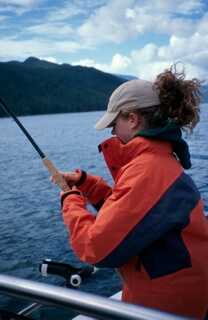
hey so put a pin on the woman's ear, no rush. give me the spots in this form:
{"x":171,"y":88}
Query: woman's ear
{"x":135,"y":120}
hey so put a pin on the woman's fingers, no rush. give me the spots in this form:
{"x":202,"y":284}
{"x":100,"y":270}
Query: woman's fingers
{"x":71,"y":177}
{"x":56,"y":178}
{"x":52,"y":179}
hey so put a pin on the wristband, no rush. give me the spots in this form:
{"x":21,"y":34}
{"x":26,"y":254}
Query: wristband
{"x":66,"y":194}
{"x":81,"y":179}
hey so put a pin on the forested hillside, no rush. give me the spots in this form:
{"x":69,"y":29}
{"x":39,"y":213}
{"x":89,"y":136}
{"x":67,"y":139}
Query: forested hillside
{"x":40,"y":87}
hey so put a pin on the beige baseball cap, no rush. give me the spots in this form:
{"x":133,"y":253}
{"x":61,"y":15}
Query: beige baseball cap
{"x":133,"y":94}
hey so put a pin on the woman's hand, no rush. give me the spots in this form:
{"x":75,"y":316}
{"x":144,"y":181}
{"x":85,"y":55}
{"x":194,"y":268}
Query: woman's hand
{"x":71,"y":178}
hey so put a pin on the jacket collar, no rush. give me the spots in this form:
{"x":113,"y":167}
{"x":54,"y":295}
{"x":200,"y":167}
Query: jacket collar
{"x":118,"y":154}
{"x":171,"y":132}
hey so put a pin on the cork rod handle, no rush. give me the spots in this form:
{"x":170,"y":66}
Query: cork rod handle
{"x":61,"y":182}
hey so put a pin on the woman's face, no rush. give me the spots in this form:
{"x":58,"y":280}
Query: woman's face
{"x":125,"y":127}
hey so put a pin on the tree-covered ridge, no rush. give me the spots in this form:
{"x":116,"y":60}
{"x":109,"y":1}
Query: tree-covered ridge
{"x":40,"y":87}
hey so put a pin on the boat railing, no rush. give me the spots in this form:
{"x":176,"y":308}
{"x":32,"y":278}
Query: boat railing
{"x":84,"y":303}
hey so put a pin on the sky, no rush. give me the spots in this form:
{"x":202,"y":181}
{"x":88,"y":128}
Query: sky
{"x":133,"y":37}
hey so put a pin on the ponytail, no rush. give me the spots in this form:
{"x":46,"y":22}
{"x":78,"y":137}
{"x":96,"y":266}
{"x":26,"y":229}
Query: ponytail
{"x":180,"y":98}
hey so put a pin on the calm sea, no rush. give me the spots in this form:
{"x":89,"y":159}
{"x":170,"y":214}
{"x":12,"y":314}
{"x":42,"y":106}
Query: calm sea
{"x":31,"y":227}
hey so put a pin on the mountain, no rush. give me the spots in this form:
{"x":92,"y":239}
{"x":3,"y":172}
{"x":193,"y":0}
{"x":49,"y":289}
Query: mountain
{"x":40,"y":87}
{"x":205,"y":94}
{"x":126,"y":76}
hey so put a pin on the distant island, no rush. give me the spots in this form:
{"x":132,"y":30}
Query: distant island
{"x":40,"y":87}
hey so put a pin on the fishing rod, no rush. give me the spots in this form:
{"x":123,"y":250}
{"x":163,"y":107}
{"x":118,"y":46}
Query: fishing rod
{"x":60,"y":181}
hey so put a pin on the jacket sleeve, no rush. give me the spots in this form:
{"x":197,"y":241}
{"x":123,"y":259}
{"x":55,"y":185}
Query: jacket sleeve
{"x":94,"y":239}
{"x":95,"y":189}
{"x":144,"y":206}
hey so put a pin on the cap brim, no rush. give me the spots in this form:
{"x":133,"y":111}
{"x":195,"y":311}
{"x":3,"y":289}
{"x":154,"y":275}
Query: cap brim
{"x":106,"y":120}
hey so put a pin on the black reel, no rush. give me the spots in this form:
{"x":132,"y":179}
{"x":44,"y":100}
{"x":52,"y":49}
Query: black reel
{"x":72,"y":275}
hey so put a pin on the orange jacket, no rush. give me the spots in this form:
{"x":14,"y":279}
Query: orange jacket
{"x":150,"y":226}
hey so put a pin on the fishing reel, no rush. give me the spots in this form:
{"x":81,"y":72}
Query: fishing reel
{"x":73,"y":276}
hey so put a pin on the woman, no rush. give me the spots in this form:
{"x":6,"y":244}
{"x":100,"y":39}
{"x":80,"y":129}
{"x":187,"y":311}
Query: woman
{"x":150,"y":224}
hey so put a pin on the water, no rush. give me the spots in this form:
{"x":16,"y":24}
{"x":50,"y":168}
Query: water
{"x":31,"y":227}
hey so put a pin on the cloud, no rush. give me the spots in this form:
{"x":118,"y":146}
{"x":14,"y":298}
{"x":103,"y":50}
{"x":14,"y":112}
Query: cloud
{"x":48,"y":29}
{"x":20,"y":3}
{"x":13,"y":5}
{"x":107,"y":24}
{"x":188,"y":41}
{"x":17,"y":6}
{"x":2,"y":18}
{"x":21,"y":49}
{"x":66,"y":11}
{"x":92,"y":63}
{"x":147,"y":62}
{"x":74,"y":8}
{"x":192,"y":51}
{"x":117,"y":21}
{"x":104,"y":22}
{"x":203,"y":24}
{"x":189,"y":7}
{"x":146,"y":54}
{"x":49,"y":59}
{"x":178,"y":6}
{"x":119,"y":63}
